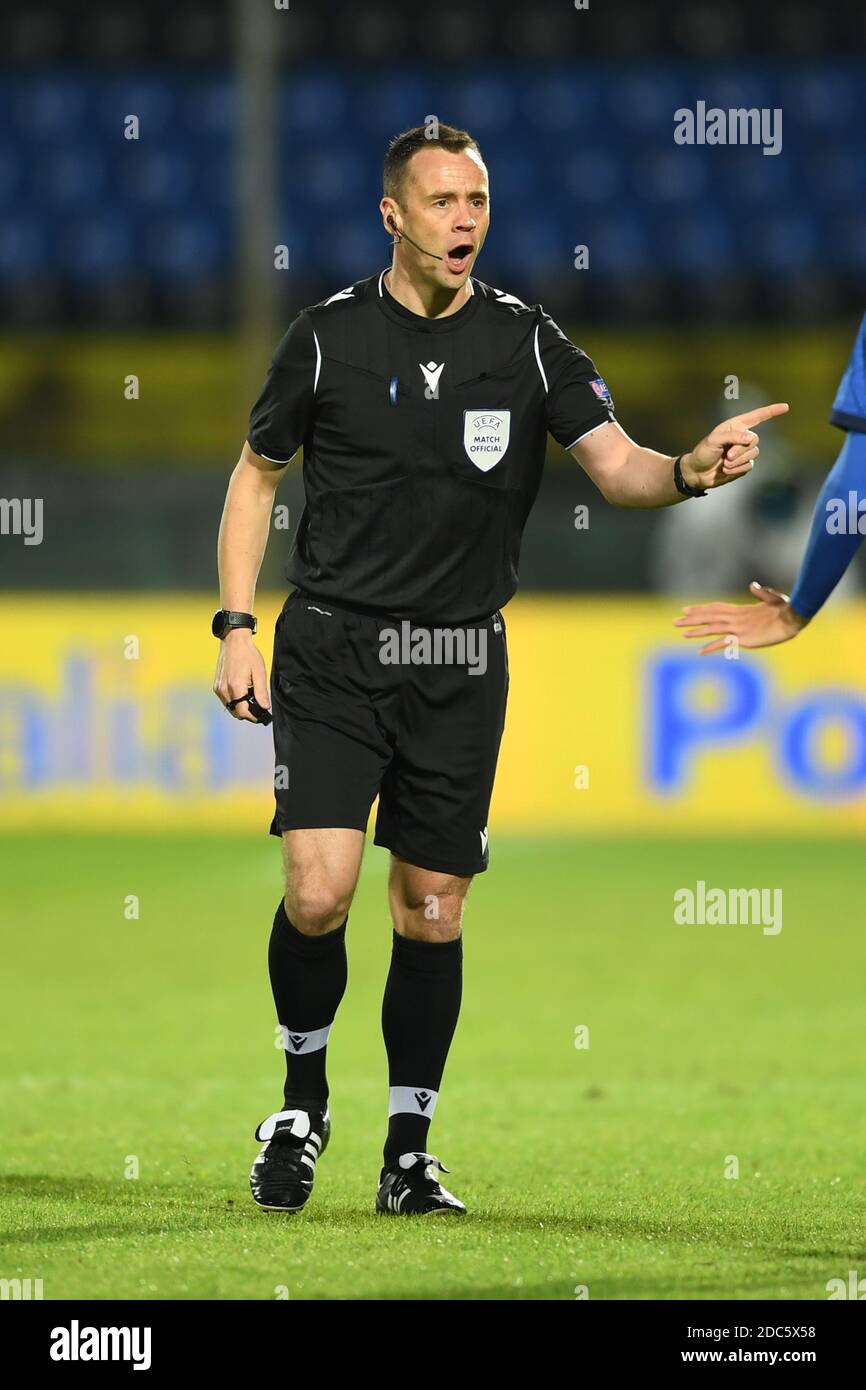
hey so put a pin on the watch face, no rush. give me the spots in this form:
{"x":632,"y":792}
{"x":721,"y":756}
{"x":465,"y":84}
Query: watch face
{"x":217,"y":627}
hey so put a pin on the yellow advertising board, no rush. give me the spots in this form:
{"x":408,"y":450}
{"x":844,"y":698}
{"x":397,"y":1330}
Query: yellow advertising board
{"x":107,"y":719}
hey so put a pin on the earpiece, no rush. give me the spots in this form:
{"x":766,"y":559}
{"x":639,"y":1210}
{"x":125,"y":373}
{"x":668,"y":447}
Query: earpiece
{"x":389,"y":221}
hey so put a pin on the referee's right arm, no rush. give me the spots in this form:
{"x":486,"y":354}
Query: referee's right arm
{"x":278,"y":423}
{"x":243,"y":536}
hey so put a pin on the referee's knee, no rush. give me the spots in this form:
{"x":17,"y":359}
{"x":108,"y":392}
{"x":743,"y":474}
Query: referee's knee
{"x":316,"y":908}
{"x":428,"y":911}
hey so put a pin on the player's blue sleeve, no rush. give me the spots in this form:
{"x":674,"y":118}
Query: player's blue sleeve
{"x":829,"y":553}
{"x":849,"y":407}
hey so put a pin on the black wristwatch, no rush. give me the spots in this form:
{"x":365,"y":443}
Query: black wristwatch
{"x":681,"y":484}
{"x":224,"y":621}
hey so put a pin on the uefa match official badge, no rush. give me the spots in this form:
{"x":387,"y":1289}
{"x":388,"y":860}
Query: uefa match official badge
{"x":485,"y":436}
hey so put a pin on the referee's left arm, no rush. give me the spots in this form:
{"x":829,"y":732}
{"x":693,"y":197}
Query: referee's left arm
{"x":629,"y":475}
{"x":580,"y":417}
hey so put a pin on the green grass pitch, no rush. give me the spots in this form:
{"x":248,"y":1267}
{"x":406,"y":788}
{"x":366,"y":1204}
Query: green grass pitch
{"x":601,"y":1167}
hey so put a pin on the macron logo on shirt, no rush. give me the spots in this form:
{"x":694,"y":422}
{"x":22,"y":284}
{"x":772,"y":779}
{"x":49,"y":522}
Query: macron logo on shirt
{"x":431,"y":373}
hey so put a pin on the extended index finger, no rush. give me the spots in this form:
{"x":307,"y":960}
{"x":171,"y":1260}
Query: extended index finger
{"x":764,"y":412}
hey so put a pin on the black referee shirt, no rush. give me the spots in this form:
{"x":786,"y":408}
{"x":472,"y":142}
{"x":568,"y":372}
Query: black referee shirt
{"x":424,"y":443}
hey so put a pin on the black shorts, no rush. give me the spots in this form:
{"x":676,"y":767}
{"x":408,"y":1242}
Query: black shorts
{"x":355,"y":716}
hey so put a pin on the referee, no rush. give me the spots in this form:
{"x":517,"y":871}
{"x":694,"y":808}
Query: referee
{"x":422,"y":399}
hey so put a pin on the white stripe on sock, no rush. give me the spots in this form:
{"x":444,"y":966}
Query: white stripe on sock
{"x":295,"y":1041}
{"x":412,"y":1100}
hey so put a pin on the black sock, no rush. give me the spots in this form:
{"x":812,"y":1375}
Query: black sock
{"x":308,"y":979}
{"x":419,"y":1015}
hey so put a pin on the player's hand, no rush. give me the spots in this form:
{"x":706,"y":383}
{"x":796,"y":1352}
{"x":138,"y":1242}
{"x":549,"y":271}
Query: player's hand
{"x":763,"y":624}
{"x":729,"y":450}
{"x":240,"y":665}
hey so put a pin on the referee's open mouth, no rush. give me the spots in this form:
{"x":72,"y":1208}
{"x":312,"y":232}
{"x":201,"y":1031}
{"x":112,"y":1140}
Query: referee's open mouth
{"x":458,"y":258}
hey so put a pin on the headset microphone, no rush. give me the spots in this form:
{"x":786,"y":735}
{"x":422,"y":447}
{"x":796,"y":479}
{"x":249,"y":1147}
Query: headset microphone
{"x":403,"y":235}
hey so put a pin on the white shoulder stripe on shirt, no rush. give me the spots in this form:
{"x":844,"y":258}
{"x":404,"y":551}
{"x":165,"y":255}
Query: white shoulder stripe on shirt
{"x":318,"y":362}
{"x":538,"y":360}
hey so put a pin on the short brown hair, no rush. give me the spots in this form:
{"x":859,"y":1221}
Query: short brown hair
{"x":421,"y":137}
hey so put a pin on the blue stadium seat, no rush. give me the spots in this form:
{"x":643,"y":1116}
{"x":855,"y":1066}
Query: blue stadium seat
{"x":644,"y":101}
{"x":619,"y":243}
{"x":300,"y":236}
{"x":156,"y":178}
{"x":49,"y":107}
{"x":70,"y":175}
{"x":214,"y":182}
{"x":530,"y":241}
{"x":672,"y":174}
{"x":695,"y":243}
{"x":11,"y":172}
{"x":154,"y":100}
{"x":827,"y":98}
{"x":325,"y":176}
{"x":351,"y":250}
{"x":748,"y":178}
{"x":779,"y":243}
{"x":515,"y":177}
{"x":386,"y":106}
{"x":316,"y":102}
{"x":188,"y":246}
{"x":745,"y":86}
{"x":592,"y":176}
{"x":26,"y":245}
{"x":209,"y":109}
{"x":836,"y":174}
{"x":484,"y":102}
{"x":849,"y":239}
{"x":563,"y":103}
{"x":98,"y":246}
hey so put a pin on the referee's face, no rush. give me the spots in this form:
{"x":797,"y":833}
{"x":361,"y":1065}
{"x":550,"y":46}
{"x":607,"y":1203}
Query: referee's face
{"x":445,"y":209}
